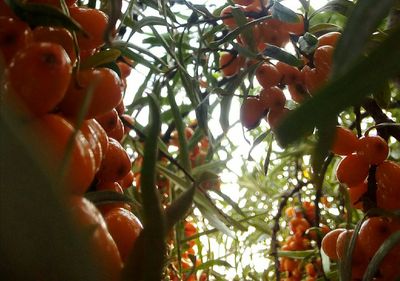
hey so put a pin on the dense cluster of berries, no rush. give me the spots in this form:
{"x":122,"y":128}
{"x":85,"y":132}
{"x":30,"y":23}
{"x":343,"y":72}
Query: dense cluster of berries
{"x":301,"y":83}
{"x":372,"y":181}
{"x":75,"y":113}
{"x":301,"y":238}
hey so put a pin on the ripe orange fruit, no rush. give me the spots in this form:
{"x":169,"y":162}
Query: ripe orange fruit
{"x":268,"y":75}
{"x":124,"y":227}
{"x":296,"y":28}
{"x":56,"y":133}
{"x":38,"y":77}
{"x":104,"y":85}
{"x":374,"y":148}
{"x":298,"y":225}
{"x":374,"y":231}
{"x":56,"y":35}
{"x":101,"y":135}
{"x":352,"y":170}
{"x":290,"y":74}
{"x":323,"y":58}
{"x":329,"y":38}
{"x":243,"y":2}
{"x":108,"y":120}
{"x":105,"y":207}
{"x":329,"y":243}
{"x":273,"y":98}
{"x":116,"y":163}
{"x":227,"y":18}
{"x":14,"y":36}
{"x":387,"y":181}
{"x":274,"y":32}
{"x":103,"y":248}
{"x":251,"y":112}
{"x":230,"y":64}
{"x":117,"y":132}
{"x":313,"y":79}
{"x":127,"y":181}
{"x":342,"y":246}
{"x":298,"y":93}
{"x":355,"y":194}
{"x":345,"y":142}
{"x":93,"y":138}
{"x":94,"y":23}
{"x":275,"y":116}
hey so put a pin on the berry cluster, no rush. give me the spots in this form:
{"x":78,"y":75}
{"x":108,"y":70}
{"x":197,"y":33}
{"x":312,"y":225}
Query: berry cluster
{"x":301,"y":83}
{"x":371,"y":181}
{"x":75,"y":114}
{"x":303,"y":237}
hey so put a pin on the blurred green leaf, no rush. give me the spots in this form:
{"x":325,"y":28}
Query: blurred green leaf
{"x":353,"y":37}
{"x":342,"y":7}
{"x":308,"y":43}
{"x":100,"y":58}
{"x":281,"y":55}
{"x":383,"y":95}
{"x":179,"y":208}
{"x":283,"y":13}
{"x":388,"y":245}
{"x":43,"y":15}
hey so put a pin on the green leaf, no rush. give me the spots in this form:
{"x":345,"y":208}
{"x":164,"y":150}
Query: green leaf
{"x":147,"y":21}
{"x":151,"y":264}
{"x":342,"y":7}
{"x":100,"y":58}
{"x":383,"y":95}
{"x":373,"y":266}
{"x":283,"y":13}
{"x":296,"y":254}
{"x":107,"y":197}
{"x":323,"y":28}
{"x":349,"y":88}
{"x":281,"y":55}
{"x":43,"y":15}
{"x":226,"y":102}
{"x":353,"y":37}
{"x":211,"y":263}
{"x":179,"y":208}
{"x":308,"y":43}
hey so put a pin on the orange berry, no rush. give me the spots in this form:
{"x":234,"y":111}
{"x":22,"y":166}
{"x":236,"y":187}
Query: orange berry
{"x":116,"y":163}
{"x":14,"y":36}
{"x":45,"y":71}
{"x":313,"y":79}
{"x":374,"y":231}
{"x":299,"y":225}
{"x":93,"y":138}
{"x":298,"y":93}
{"x":251,"y":112}
{"x":230,"y":64}
{"x":272,"y":98}
{"x":127,"y":180}
{"x":329,"y":243}
{"x":102,"y":246}
{"x":374,"y":148}
{"x":275,"y":116}
{"x":345,"y":142}
{"x":55,"y":3}
{"x":274,"y":32}
{"x":56,"y":132}
{"x":352,"y":170}
{"x":5,"y":10}
{"x":227,"y":17}
{"x":355,"y":194}
{"x":329,"y":38}
{"x":296,"y":28}
{"x":102,"y":83}
{"x":323,"y":58}
{"x":243,"y":2}
{"x":108,"y":120}
{"x":290,"y":74}
{"x":117,"y":132}
{"x":342,"y":247}
{"x":268,"y":75}
{"x":93,"y":22}
{"x":125,"y":228}
{"x":387,"y":181}
{"x":190,"y":229}
{"x":56,"y":35}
